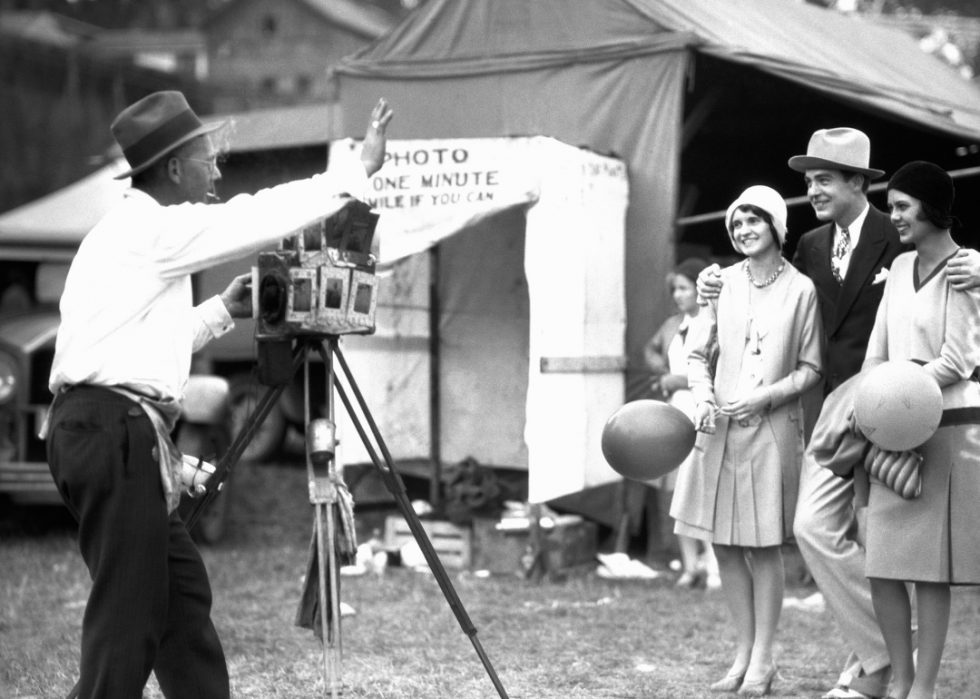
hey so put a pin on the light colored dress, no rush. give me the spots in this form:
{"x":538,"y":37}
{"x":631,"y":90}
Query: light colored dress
{"x":933,"y":537}
{"x":678,"y":351}
{"x":740,"y":489}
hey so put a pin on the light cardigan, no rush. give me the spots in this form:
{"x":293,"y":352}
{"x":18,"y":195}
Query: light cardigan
{"x":933,"y":325}
{"x":127,"y":315}
{"x":791,"y":339}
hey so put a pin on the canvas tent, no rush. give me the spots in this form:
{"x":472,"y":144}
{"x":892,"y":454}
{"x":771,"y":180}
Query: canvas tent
{"x":531,"y":306}
{"x":700,"y":98}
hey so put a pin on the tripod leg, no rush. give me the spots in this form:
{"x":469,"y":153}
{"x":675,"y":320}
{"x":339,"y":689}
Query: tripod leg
{"x":397,"y":488}
{"x":242,"y":439}
{"x":234,"y":453}
{"x":323,"y":498}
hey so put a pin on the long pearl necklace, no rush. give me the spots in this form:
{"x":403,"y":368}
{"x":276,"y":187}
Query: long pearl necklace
{"x":772,"y":277}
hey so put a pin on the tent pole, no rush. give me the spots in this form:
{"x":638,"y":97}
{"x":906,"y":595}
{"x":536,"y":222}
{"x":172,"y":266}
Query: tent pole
{"x":435,"y":402}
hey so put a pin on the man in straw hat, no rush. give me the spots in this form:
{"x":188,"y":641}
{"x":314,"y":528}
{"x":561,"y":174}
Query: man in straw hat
{"x":847,"y":258}
{"x":122,"y":359}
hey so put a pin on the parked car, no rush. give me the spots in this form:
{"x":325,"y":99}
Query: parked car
{"x":27,"y":339}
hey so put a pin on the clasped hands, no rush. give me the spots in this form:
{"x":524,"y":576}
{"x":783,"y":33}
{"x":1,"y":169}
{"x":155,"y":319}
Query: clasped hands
{"x":742,"y":411}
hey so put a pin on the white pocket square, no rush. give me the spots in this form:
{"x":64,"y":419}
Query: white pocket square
{"x":881,"y":276}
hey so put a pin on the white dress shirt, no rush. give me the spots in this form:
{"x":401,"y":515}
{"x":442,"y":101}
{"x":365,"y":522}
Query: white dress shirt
{"x":854,"y":233}
{"x":127,"y":315}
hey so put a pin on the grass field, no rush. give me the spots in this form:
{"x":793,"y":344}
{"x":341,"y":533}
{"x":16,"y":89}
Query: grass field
{"x":584,"y":637}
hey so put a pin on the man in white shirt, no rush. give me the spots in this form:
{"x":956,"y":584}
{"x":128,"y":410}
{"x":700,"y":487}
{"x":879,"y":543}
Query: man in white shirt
{"x":122,"y":359}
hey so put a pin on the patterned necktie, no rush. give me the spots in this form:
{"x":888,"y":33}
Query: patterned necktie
{"x":840,"y":250}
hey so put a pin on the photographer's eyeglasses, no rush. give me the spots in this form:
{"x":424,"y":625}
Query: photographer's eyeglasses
{"x":212,"y":163}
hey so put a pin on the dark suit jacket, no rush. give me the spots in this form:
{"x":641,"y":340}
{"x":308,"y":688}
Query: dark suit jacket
{"x":848,"y":310}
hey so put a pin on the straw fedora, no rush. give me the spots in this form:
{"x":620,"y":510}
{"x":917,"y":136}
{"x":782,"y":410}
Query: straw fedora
{"x":152,"y":127}
{"x":837,"y":149}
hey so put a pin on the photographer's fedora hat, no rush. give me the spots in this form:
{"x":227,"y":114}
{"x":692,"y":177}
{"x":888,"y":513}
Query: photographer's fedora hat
{"x":837,"y":149}
{"x":152,"y":127}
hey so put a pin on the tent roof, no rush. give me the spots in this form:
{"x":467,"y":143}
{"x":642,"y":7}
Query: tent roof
{"x":61,"y":219}
{"x":848,"y":57}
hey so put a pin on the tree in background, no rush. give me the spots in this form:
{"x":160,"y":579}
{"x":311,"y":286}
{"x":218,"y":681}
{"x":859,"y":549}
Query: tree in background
{"x":947,"y":29}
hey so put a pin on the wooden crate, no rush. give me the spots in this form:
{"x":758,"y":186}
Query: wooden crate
{"x":452,"y":543}
{"x":565,"y":546}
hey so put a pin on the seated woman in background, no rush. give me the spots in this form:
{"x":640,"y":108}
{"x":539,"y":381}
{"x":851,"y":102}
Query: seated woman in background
{"x":739,"y":493}
{"x":666,"y":357}
{"x":930,"y":540}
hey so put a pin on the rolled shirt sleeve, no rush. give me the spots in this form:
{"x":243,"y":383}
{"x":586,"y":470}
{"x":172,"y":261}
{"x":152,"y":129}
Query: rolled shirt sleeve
{"x":210,"y":320}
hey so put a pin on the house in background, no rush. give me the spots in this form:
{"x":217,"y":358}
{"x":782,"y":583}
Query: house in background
{"x":62,"y":81}
{"x":264,"y":53}
{"x":181,"y":51}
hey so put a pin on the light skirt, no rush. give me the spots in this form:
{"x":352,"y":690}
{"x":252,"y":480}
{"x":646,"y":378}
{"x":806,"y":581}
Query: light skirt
{"x":936,"y":536}
{"x":748,"y":507}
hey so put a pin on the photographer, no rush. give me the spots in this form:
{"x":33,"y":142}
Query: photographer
{"x":122,"y":359}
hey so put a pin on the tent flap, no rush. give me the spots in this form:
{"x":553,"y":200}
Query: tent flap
{"x":531,"y":265}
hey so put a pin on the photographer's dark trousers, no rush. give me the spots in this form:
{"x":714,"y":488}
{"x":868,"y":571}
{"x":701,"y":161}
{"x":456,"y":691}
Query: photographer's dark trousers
{"x":150,"y":604}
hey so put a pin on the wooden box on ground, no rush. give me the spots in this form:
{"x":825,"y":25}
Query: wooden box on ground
{"x":452,"y":543}
{"x":565,"y":546}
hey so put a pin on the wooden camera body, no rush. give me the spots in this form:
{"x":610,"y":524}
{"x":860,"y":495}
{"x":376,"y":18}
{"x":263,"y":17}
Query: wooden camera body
{"x":321,"y":281}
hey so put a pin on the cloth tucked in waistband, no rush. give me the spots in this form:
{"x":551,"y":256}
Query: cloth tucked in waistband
{"x":163,"y":414}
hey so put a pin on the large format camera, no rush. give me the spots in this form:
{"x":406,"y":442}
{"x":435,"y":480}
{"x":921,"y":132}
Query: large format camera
{"x":320,"y":282}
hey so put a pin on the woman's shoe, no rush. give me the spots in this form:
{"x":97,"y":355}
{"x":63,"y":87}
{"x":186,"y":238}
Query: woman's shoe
{"x":687,"y":579}
{"x":759,"y":688}
{"x":728,"y":683}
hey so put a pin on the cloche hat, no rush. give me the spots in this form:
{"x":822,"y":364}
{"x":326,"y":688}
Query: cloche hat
{"x":152,"y":127}
{"x":767,"y":199}
{"x":837,"y":149}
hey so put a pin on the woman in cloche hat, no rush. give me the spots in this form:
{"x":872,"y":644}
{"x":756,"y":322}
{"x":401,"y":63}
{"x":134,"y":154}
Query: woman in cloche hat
{"x":739,"y":493}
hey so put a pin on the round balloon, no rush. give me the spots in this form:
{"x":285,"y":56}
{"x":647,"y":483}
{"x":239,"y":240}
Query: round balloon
{"x":646,"y":439}
{"x":898,"y":405}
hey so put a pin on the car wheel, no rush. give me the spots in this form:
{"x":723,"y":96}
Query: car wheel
{"x":209,"y":442}
{"x":267,"y":440}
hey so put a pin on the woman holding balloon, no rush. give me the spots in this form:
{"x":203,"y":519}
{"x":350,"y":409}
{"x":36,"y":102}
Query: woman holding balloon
{"x":930,"y":538}
{"x":666,"y":357}
{"x":739,"y":492}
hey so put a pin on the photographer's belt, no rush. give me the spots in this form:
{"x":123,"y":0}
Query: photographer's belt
{"x":163,"y":414}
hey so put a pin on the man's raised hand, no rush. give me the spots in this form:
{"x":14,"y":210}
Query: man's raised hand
{"x":373,"y":151}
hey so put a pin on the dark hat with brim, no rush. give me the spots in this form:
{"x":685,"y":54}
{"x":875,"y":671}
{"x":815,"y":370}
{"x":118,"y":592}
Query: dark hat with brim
{"x":152,"y":127}
{"x":837,"y":149}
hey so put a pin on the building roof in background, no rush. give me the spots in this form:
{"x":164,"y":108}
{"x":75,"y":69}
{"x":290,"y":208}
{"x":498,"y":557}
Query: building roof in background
{"x":46,"y":27}
{"x":362,"y":19}
{"x":282,"y":127}
{"x":126,"y":42}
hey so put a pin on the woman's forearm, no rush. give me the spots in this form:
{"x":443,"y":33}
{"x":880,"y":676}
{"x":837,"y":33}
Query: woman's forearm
{"x":793,"y":385}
